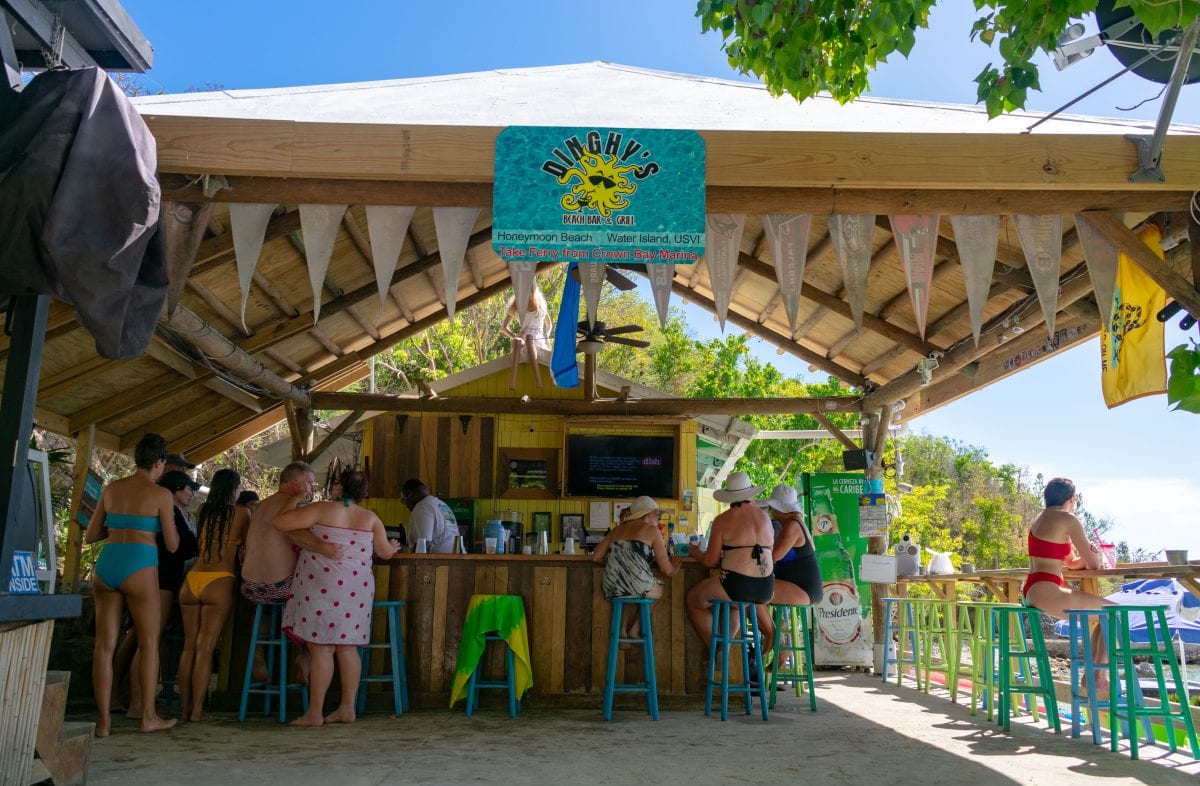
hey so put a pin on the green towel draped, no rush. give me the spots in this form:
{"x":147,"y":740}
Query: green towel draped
{"x":506,"y":615}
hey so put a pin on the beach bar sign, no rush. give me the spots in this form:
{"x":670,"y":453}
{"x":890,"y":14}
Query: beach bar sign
{"x":607,"y":195}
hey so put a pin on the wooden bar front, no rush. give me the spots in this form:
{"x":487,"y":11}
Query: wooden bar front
{"x":567,"y":615}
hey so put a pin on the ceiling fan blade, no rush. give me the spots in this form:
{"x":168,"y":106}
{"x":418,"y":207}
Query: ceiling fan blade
{"x":629,"y":342}
{"x":623,"y":329}
{"x":619,"y":281}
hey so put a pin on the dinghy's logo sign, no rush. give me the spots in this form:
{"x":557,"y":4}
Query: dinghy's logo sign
{"x":598,"y":195}
{"x":598,"y":175}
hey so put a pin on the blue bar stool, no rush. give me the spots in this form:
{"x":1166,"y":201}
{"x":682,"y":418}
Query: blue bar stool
{"x":394,"y":644}
{"x":508,"y":683}
{"x":1079,"y":623}
{"x":906,"y":622}
{"x":1033,"y":664}
{"x":276,"y":684}
{"x":649,"y":685}
{"x":751,"y":646}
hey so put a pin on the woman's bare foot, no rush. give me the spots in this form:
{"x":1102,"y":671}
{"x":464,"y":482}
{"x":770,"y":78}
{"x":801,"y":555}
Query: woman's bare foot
{"x":155,"y":723}
{"x":307,"y":719}
{"x":340,"y":715}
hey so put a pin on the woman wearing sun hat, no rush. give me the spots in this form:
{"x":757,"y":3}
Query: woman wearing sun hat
{"x":740,"y":541}
{"x":630,"y":551}
{"x":797,"y":574}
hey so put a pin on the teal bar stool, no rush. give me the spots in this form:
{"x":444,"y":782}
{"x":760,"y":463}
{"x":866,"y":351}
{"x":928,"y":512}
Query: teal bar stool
{"x":890,"y":606}
{"x":1084,"y":669}
{"x":276,"y":644}
{"x":1122,"y":650}
{"x":910,"y":627}
{"x":793,"y":662}
{"x":649,"y":685}
{"x":394,"y":644}
{"x":750,"y":644}
{"x":1029,"y":656}
{"x":508,"y":682}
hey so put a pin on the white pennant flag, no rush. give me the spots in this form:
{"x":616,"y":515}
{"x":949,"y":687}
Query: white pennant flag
{"x":722,"y":243}
{"x":591,"y":278}
{"x":916,"y":237}
{"x":248,"y":223}
{"x":522,"y":275}
{"x":319,"y":225}
{"x":453,"y":226}
{"x":661,"y":276}
{"x":977,"y":238}
{"x":387,"y":226}
{"x":1101,"y":255}
{"x":1041,"y":239}
{"x":788,"y":237}
{"x":852,"y":241}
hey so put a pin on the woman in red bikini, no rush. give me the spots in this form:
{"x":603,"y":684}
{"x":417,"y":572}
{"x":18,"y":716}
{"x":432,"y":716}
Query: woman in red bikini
{"x":1057,"y":539}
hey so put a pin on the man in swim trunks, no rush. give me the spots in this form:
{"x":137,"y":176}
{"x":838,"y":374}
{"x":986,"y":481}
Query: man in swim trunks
{"x":740,"y":541}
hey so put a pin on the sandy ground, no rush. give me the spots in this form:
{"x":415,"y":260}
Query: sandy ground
{"x":864,"y":732}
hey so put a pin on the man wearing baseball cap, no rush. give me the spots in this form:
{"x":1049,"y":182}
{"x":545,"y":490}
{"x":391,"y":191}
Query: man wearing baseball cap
{"x":177,"y":462}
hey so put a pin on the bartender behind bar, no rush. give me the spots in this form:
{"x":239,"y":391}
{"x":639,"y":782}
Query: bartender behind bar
{"x":431,"y":518}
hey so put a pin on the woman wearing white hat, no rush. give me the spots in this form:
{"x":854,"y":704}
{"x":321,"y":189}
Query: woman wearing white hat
{"x":740,"y":542}
{"x":797,"y":574}
{"x":630,"y":551}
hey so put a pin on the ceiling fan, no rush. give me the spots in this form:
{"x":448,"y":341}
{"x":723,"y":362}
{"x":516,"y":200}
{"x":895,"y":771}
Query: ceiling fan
{"x":621,"y":282}
{"x":592,"y":339}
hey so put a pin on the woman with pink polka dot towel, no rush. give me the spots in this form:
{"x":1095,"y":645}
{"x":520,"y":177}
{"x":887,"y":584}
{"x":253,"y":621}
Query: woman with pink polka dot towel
{"x":329,"y":608}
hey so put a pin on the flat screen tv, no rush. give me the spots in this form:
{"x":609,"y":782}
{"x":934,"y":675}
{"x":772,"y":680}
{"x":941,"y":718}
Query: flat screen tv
{"x":613,"y":465}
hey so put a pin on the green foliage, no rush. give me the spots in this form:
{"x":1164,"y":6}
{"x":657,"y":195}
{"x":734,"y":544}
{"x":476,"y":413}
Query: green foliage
{"x":801,"y":47}
{"x":1183,"y":383}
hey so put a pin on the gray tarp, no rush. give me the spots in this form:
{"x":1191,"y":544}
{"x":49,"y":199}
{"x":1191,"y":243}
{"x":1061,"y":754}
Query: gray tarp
{"x":79,"y":206}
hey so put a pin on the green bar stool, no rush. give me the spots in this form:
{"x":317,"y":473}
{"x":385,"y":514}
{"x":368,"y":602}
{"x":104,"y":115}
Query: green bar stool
{"x":978,"y":635}
{"x":938,"y":631}
{"x":792,"y":622}
{"x":1120,"y":665}
{"x":1083,"y":672}
{"x":1034,"y":678}
{"x":910,"y":622}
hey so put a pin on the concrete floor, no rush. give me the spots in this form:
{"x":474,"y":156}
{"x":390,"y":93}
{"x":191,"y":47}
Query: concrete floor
{"x":863,"y":733}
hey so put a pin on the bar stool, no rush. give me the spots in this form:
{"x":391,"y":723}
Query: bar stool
{"x":498,"y":618}
{"x":938,"y":630}
{"x":909,"y":625}
{"x":649,"y":685}
{"x":747,"y":640}
{"x":276,"y":645}
{"x":793,"y":621}
{"x":1158,"y":648}
{"x":1012,"y":654}
{"x":1083,"y":663}
{"x":977,"y":632}
{"x":394,"y":644}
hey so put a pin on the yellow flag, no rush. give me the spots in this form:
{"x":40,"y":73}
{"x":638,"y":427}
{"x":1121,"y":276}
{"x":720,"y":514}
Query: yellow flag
{"x":1132,"y":358}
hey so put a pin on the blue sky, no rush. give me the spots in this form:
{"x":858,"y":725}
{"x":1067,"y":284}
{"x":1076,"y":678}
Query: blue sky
{"x":1139,"y":463}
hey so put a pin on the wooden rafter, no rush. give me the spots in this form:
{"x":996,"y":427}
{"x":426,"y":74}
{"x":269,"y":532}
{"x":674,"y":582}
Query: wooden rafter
{"x":333,"y":436}
{"x":1178,"y":287}
{"x":837,"y":433}
{"x":146,"y":394}
{"x":216,"y":251}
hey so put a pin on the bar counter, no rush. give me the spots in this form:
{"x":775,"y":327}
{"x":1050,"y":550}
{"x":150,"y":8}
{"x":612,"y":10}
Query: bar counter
{"x":567,"y":615}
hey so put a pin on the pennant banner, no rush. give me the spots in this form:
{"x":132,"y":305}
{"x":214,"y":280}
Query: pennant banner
{"x":977,"y":238}
{"x":788,"y":238}
{"x":591,"y":277}
{"x":916,"y":237}
{"x":723,"y":241}
{"x":319,"y":225}
{"x":1041,"y":239}
{"x":387,"y":227}
{"x":248,"y":223}
{"x":522,"y":275}
{"x":852,"y":241}
{"x":661,"y":276}
{"x":1132,"y":361}
{"x":453,"y":226}
{"x":1101,"y":256}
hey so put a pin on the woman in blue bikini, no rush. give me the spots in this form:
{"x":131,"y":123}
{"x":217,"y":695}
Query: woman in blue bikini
{"x":130,"y":512}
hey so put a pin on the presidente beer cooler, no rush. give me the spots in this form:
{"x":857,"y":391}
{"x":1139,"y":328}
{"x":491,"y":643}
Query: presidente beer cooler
{"x":842,"y":635}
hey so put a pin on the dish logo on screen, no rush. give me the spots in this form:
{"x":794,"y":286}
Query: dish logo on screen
{"x":651,"y":461}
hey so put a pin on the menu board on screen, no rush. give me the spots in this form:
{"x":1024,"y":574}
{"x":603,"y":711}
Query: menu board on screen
{"x":611,"y":465}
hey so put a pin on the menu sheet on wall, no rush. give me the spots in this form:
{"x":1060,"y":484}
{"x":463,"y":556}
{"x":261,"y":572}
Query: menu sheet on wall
{"x":599,"y":514}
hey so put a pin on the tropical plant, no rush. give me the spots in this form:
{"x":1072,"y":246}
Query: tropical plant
{"x":1183,"y":382}
{"x":801,"y":47}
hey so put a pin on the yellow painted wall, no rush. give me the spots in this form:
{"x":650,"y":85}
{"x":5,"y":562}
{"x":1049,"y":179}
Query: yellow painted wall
{"x":549,"y":431}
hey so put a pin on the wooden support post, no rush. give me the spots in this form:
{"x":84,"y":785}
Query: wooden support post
{"x":874,"y":433}
{"x":298,"y":450}
{"x":838,"y":434}
{"x":85,"y":445}
{"x":304,"y":432}
{"x":334,"y":435}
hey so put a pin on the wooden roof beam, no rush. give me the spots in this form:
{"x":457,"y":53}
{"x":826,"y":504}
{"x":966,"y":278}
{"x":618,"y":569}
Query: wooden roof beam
{"x":146,"y":394}
{"x":1184,"y":292}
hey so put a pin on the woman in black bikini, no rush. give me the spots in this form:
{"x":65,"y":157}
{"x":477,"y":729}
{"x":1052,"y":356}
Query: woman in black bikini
{"x":740,"y":542}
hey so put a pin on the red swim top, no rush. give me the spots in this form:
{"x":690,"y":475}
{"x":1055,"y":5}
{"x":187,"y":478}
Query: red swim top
{"x":1048,"y":548}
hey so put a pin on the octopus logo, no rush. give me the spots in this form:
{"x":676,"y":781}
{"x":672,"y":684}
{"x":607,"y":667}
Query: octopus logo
{"x":603,"y":184}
